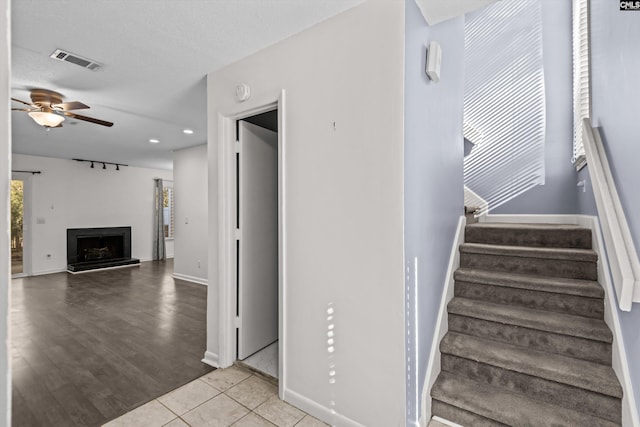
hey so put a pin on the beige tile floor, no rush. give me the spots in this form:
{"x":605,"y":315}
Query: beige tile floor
{"x":225,"y":397}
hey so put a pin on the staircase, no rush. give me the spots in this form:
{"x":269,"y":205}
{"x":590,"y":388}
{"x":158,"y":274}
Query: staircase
{"x":527,"y":344}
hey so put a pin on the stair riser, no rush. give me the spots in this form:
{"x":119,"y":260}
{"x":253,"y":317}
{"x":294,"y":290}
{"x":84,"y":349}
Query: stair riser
{"x":527,"y":265}
{"x":568,"y":304}
{"x":460,"y":416}
{"x":564,"y":345}
{"x":578,"y":239}
{"x":551,"y":392}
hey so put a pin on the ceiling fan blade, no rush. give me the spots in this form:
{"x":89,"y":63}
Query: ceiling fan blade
{"x":73,"y":105}
{"x":23,"y":102}
{"x":87,"y":119}
{"x":24,"y":109}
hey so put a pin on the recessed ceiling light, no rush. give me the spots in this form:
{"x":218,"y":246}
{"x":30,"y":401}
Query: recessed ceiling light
{"x":154,"y":141}
{"x":188,"y":131}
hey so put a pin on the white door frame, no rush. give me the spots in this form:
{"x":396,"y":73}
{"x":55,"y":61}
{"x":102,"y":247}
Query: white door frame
{"x":27,"y":222}
{"x":227,"y":257}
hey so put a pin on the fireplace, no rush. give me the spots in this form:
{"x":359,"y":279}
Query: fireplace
{"x":93,"y":248}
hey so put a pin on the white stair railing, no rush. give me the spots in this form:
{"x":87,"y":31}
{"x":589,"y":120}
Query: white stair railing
{"x":621,"y":252}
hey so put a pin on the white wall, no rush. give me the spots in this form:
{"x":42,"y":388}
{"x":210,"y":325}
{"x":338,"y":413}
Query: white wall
{"x":344,"y":208}
{"x":615,"y":65}
{"x":69,"y":194}
{"x":5,"y":178}
{"x":191,"y":222}
{"x":433,"y":182}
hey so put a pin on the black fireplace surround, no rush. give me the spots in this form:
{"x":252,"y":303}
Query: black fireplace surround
{"x":93,"y":248}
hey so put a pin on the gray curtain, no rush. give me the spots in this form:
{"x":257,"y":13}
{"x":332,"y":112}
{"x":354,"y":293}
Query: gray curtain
{"x":158,"y":222}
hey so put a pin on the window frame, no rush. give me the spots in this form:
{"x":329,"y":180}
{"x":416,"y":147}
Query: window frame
{"x":167,"y":187}
{"x":581,"y":77}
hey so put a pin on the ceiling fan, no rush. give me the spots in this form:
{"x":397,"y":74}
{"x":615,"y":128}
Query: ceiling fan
{"x":48,"y":110}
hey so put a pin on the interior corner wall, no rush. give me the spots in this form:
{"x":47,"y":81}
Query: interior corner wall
{"x":5,"y":178}
{"x":615,"y":102}
{"x":191,"y":222}
{"x":343,"y":80}
{"x":558,"y":194}
{"x":69,"y":194}
{"x":433,"y":181}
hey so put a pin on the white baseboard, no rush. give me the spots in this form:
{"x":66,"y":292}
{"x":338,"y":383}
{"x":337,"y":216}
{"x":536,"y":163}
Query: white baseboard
{"x":546,"y":219}
{"x":321,"y":412}
{"x":192,"y":279}
{"x":619,"y":360}
{"x":211,"y":359}
{"x":52,"y":271}
{"x":442,"y":324}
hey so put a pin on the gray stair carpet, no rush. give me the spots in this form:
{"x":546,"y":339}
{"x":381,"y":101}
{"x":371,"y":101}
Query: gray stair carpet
{"x":527,"y":344}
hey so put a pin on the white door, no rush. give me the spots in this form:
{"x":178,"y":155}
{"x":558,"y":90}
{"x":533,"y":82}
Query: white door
{"x":258,"y":254}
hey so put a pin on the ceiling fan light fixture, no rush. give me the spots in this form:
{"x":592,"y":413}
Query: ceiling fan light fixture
{"x":47,"y":119}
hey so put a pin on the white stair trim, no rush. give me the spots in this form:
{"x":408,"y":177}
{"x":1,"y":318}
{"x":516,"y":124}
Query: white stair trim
{"x":442,"y":324}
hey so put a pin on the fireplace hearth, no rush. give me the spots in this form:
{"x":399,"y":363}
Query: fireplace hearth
{"x":95,"y":248}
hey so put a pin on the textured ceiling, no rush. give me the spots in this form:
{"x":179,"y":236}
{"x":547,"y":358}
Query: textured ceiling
{"x":156,"y":54}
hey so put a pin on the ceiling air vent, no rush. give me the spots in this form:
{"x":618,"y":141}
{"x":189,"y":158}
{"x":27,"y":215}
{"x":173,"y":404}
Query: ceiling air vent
{"x":62,"y":55}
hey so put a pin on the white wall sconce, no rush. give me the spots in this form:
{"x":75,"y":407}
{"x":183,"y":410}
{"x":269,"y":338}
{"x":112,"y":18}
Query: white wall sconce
{"x":434,"y":61}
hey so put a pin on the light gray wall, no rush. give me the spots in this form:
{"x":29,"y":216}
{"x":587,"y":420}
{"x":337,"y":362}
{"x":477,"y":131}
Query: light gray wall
{"x":615,"y":66}
{"x":5,"y":178}
{"x":433,"y":180}
{"x":557,"y":195}
{"x":191,"y":221}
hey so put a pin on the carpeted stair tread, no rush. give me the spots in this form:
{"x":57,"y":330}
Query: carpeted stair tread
{"x":540,"y":235}
{"x":505,"y":407}
{"x":559,"y":285}
{"x":559,"y":323}
{"x":569,"y":254}
{"x":566,"y":370}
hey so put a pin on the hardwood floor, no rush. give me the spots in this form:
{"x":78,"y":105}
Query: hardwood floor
{"x":87,"y":348}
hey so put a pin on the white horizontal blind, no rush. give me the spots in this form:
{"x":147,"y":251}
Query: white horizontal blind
{"x":581,"y":98}
{"x":504,"y":100}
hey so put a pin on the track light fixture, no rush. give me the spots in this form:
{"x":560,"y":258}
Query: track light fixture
{"x":104,"y":164}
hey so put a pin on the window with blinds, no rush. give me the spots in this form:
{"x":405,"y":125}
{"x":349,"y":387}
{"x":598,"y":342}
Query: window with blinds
{"x":504,"y":101}
{"x":581,"y":83}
